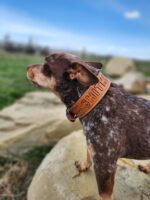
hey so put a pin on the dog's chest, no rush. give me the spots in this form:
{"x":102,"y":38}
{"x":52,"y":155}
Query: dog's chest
{"x":100,"y":132}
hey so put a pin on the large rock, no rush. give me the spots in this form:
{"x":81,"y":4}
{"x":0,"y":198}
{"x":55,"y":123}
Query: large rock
{"x":131,"y":184}
{"x":119,"y":66}
{"x":54,"y":178}
{"x":133,"y":82}
{"x":37,"y":119}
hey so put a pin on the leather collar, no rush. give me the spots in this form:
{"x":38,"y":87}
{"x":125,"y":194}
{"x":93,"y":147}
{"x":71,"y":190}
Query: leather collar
{"x":89,"y":99}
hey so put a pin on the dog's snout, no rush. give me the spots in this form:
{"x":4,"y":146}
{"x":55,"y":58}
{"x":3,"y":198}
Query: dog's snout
{"x":30,"y":72}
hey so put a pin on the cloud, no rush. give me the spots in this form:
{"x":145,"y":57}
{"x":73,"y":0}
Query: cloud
{"x":132,"y":15}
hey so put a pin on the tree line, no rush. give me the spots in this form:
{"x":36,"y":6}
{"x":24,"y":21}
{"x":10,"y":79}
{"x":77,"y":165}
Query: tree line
{"x":29,"y":48}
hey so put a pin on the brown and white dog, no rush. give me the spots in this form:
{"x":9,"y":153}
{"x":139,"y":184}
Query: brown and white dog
{"x":118,"y":126}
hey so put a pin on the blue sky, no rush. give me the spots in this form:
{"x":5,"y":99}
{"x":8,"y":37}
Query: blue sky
{"x":116,"y":27}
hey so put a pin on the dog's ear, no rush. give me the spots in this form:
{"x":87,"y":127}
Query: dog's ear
{"x":85,"y":72}
{"x":96,"y":65}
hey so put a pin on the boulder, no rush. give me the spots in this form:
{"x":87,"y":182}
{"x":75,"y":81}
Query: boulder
{"x":37,"y":119}
{"x":54,"y":178}
{"x":119,"y":66}
{"x":130,"y":182}
{"x":133,"y":82}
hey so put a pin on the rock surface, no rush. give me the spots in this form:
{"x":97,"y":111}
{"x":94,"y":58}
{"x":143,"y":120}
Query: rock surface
{"x":133,"y":82}
{"x":145,"y":96}
{"x":37,"y":119}
{"x":119,"y":66}
{"x":53,"y":179}
{"x":148,"y":88}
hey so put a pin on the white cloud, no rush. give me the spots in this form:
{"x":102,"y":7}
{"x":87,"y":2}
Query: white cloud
{"x":132,"y":15}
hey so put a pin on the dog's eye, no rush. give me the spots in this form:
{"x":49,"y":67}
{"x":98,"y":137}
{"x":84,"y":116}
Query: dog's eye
{"x":46,"y":70}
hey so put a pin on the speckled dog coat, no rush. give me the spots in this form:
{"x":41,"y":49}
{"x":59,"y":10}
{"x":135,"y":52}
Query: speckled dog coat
{"x":119,"y":126}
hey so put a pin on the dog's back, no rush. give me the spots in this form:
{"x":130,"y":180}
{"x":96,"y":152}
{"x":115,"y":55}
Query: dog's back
{"x":138,"y":126}
{"x":122,"y":121}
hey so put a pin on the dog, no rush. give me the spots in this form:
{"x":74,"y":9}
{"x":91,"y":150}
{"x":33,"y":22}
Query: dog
{"x":117,"y":126}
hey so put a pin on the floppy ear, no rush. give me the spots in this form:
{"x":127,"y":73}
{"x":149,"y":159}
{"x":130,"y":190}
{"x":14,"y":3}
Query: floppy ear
{"x":84,"y":72}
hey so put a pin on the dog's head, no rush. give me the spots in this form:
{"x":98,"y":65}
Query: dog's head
{"x":64,"y":74}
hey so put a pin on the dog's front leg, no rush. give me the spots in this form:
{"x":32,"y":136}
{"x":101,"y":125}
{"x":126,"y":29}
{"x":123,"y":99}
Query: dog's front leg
{"x":105,"y":174}
{"x":83,"y":166}
{"x":105,"y":185}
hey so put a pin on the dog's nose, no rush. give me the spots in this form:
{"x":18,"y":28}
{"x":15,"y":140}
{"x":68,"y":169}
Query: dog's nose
{"x":30,"y":72}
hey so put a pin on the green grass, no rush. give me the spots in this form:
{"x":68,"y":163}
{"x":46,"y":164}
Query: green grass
{"x":13,"y":81}
{"x":143,"y":66}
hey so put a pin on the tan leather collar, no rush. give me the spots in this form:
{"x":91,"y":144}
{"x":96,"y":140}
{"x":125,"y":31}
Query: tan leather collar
{"x":90,"y":98}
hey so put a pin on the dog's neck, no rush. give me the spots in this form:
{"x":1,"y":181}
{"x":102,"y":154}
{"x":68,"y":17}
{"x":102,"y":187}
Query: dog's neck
{"x":70,"y":92}
{"x":92,"y":96}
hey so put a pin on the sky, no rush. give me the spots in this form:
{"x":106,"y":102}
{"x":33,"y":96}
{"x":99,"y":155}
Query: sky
{"x":106,"y":27}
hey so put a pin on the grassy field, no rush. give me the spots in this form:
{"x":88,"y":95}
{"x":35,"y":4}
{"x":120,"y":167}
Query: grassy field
{"x":143,"y":66}
{"x":13,"y":81}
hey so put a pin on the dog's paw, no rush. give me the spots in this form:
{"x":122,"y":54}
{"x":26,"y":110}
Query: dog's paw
{"x":145,"y":169}
{"x":82,"y":166}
